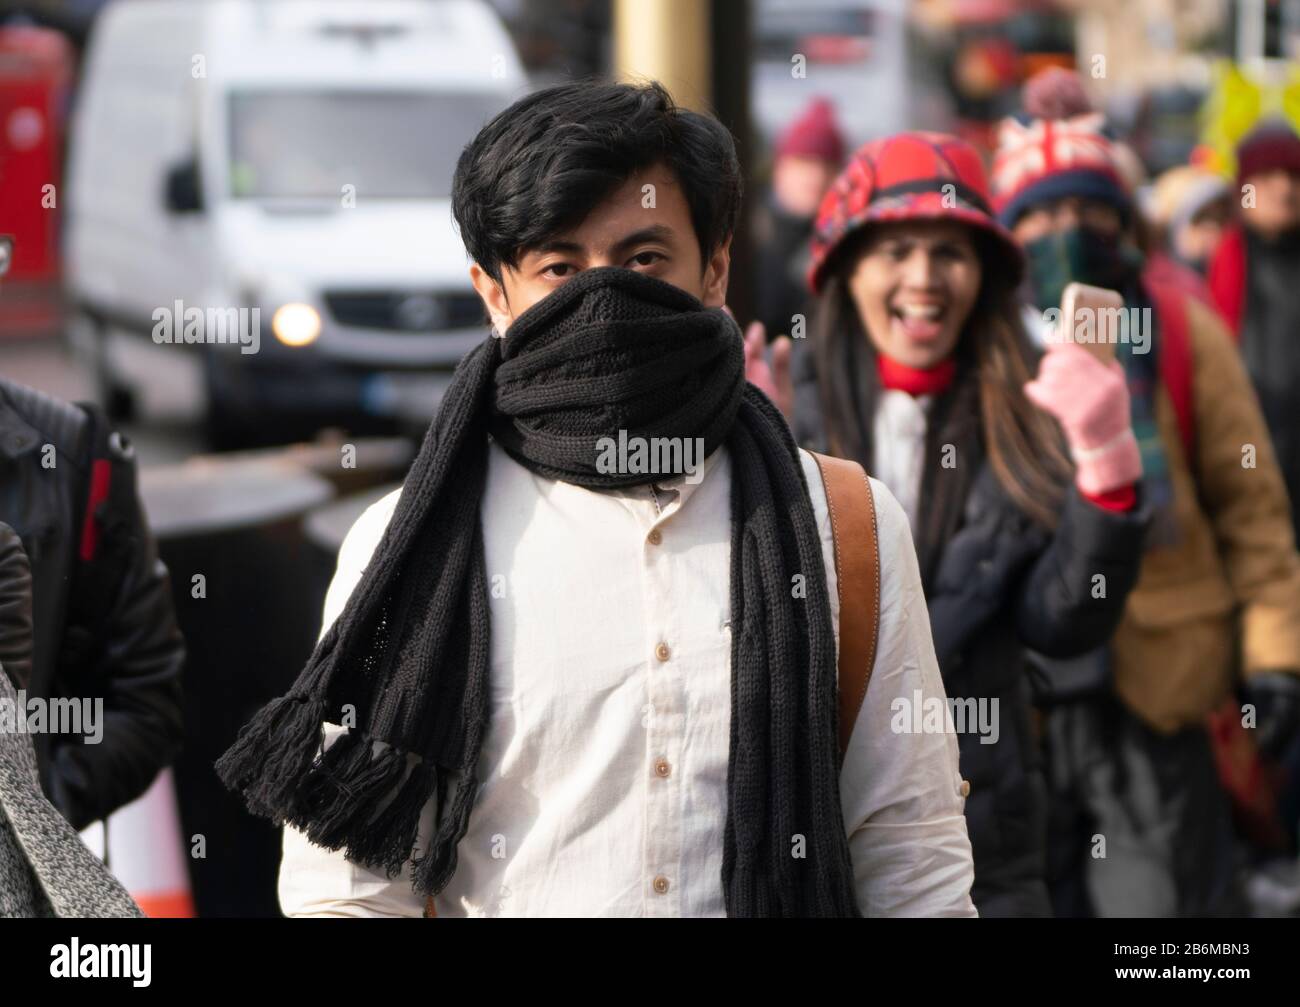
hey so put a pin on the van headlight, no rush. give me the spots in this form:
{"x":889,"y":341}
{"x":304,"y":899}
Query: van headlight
{"x":296,"y":324}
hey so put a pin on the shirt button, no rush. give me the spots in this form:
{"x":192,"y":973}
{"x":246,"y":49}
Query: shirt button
{"x":661,"y":884}
{"x":655,"y":537}
{"x":662,"y":767}
{"x":964,"y":789}
{"x":662,"y":652}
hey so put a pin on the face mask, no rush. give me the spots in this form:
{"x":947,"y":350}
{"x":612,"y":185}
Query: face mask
{"x":1077,"y":255}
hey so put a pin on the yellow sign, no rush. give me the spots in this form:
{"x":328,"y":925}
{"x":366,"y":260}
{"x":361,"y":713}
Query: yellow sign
{"x":1236,"y":104}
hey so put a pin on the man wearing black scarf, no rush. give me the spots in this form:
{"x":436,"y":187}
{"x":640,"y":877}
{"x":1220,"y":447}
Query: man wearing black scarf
{"x":476,"y":680}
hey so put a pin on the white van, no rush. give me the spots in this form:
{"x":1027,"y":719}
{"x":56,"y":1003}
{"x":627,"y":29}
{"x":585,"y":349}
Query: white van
{"x":262,"y":186}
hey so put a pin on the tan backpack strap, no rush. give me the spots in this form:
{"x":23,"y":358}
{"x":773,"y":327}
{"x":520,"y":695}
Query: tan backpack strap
{"x":857,"y":569}
{"x":429,"y":911}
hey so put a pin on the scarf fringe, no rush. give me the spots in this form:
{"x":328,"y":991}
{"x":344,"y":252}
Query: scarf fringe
{"x":272,"y":752}
{"x":433,"y":870}
{"x":345,"y":789}
{"x":389,"y":840}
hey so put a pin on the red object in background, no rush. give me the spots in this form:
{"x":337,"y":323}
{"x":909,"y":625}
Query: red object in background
{"x":996,"y":11}
{"x":36,"y":67}
{"x":985,"y":66}
{"x":1252,"y":783}
{"x":1163,"y":269}
{"x":1227,"y":278}
{"x":1032,"y":63}
{"x":980,"y":134}
{"x":836,"y":48}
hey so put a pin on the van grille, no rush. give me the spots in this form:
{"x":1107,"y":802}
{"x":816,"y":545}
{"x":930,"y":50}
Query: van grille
{"x":405,"y":310}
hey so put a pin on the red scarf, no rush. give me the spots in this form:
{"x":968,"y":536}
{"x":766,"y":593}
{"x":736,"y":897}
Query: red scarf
{"x":914,"y":380}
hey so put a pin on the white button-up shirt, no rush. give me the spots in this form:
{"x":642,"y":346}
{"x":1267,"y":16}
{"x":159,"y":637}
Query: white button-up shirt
{"x":899,"y":437}
{"x":603,"y":775}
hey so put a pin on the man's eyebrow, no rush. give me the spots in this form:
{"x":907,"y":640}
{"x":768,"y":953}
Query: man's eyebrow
{"x":553,"y":245}
{"x":655,"y":232}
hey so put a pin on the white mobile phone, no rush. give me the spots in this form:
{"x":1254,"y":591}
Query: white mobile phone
{"x":1098,"y":305}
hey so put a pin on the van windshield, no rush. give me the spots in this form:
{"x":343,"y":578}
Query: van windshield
{"x":386,"y":144}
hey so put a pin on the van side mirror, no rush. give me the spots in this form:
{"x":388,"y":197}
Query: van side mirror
{"x":183,"y":194}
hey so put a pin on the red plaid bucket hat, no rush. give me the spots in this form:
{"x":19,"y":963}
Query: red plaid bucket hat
{"x":910,"y":176}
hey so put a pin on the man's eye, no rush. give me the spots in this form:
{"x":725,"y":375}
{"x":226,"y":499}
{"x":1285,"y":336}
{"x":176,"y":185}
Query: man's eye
{"x":646,"y":258}
{"x":557,"y":269}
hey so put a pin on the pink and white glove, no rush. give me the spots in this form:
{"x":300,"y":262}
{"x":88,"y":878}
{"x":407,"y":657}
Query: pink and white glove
{"x":1090,"y":401}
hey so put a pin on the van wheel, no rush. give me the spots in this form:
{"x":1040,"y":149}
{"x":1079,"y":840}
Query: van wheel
{"x":224,"y":428}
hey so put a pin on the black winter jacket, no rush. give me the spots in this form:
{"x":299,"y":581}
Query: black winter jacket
{"x":134,"y":657}
{"x":1003,"y":585}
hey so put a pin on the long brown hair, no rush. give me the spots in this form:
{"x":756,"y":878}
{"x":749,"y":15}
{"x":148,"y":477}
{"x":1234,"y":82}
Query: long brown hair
{"x":1024,"y":445}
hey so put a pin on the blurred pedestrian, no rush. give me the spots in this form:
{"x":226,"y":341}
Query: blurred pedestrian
{"x":1190,"y":207}
{"x":45,"y":868}
{"x":605,"y":689}
{"x":105,"y":630}
{"x":1255,"y":276}
{"x":1186,"y":211}
{"x":920,"y":369}
{"x":1143,"y":825}
{"x":807,"y":157}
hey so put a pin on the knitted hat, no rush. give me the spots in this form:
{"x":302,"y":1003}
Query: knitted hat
{"x":1267,"y":147}
{"x":1055,"y":93}
{"x":910,"y":176}
{"x":1061,"y":151}
{"x":813,"y":134}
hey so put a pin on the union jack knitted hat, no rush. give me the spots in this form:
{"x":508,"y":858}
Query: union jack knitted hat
{"x":910,"y":176}
{"x":1047,"y":159}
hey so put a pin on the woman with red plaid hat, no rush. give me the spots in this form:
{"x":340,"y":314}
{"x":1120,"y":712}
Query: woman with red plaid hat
{"x":919,"y":368}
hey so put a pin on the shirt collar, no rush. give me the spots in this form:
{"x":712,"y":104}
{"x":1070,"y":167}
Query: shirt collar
{"x":687,"y":482}
{"x":675,"y":491}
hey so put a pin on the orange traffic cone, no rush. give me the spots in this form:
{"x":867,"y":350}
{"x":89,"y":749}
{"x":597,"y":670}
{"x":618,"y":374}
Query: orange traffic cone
{"x":146,"y":851}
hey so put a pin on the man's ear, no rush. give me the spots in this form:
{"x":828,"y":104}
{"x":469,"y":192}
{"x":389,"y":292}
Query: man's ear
{"x":717,"y":271}
{"x":493,"y":296}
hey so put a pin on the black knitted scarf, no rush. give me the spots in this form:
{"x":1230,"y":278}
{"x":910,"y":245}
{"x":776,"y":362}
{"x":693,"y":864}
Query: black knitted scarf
{"x":611,"y":350}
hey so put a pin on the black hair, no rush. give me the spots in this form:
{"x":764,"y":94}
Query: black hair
{"x":540,"y":166}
